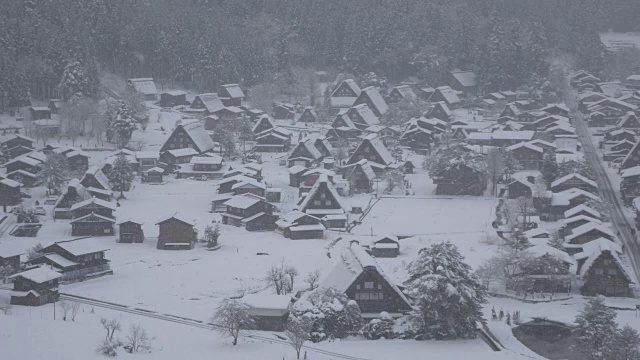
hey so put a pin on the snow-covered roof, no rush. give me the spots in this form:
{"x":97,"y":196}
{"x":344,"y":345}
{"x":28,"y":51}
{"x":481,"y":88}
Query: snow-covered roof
{"x":524,"y":135}
{"x":99,"y":176}
{"x":249,"y":181}
{"x":406,"y":92}
{"x":582,"y":207}
{"x":594,"y":251}
{"x":351,"y":84}
{"x":322,"y":179}
{"x":241,"y":202}
{"x":536,"y":232}
{"x":565,"y":197}
{"x":297,"y":169}
{"x":573,"y":219}
{"x":585,"y":228}
{"x":175,"y":92}
{"x":376,"y":99}
{"x":82,"y":246}
{"x":465,"y":78}
{"x":5,"y":138}
{"x":377,"y":144}
{"x":183,"y":152}
{"x":568,"y":177}
{"x":544,"y":249}
{"x":196,"y":131}
{"x":315,"y":171}
{"x":107,"y":219}
{"x":38,"y":275}
{"x":352,"y":263}
{"x":527,"y":145}
{"x":100,"y":202}
{"x":10,"y":183}
{"x":24,"y":159}
{"x":61,"y":261}
{"x":366,"y":168}
{"x":262,"y":119}
{"x":144,"y":86}
{"x":179,"y":217}
{"x":211,"y":102}
{"x":147,"y":155}
{"x":267,"y":304}
{"x":561,"y":106}
{"x":234,"y":91}
{"x":206,"y":160}
{"x":614,"y":101}
{"x":366,"y":113}
{"x":155,"y":169}
{"x":450,"y":95}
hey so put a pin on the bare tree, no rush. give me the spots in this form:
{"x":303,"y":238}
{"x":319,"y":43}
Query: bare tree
{"x":65,"y":307}
{"x":232,"y":317}
{"x":75,"y":307}
{"x":312,"y":279}
{"x":111,"y":326}
{"x":298,"y":331}
{"x":278,"y":278}
{"x":137,"y":340}
{"x":292,"y":272}
{"x":5,"y":306}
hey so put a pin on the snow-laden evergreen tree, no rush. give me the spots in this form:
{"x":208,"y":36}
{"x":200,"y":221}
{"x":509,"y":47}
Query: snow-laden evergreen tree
{"x":627,"y":344}
{"x":74,"y":81}
{"x":447,"y":293}
{"x":596,"y":330}
{"x":332,"y":313}
{"x":54,"y":173}
{"x":121,"y":175}
{"x":549,"y":168}
{"x":211,"y":236}
{"x":453,"y":163}
{"x":120,"y":126}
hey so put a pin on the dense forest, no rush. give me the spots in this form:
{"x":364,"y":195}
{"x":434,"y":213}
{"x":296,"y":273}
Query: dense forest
{"x":506,"y":42}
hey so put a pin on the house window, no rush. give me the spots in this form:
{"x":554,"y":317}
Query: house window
{"x":317,"y":202}
{"x":369,"y":296}
{"x":323,"y":196}
{"x":607,"y":262}
{"x":379,"y":286}
{"x":327,"y":203}
{"x":612,"y":272}
{"x":598,"y":271}
{"x":358,"y":287}
{"x":367,"y":150}
{"x":368,"y":285}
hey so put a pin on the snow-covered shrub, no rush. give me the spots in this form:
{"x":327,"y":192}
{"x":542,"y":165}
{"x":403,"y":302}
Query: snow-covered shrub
{"x":108,"y":348}
{"x":332,"y":313}
{"x":379,"y":328}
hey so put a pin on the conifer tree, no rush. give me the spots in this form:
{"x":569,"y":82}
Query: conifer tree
{"x":447,"y":293}
{"x":596,"y":330}
{"x":54,"y":173}
{"x":121,"y":175}
{"x":627,"y":344}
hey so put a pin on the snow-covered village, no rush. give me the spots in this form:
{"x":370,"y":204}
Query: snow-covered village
{"x":319,"y":180}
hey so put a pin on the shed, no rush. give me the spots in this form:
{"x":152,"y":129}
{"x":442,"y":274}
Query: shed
{"x":131,"y":231}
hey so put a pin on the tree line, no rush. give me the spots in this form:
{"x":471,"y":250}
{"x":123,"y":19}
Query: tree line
{"x":207,"y":43}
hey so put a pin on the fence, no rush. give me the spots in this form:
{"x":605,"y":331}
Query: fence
{"x":80,"y":274}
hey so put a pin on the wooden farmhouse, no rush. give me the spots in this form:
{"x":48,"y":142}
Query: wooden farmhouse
{"x":587,"y":98}
{"x":298,"y":225}
{"x":35,"y":287}
{"x":528,"y":155}
{"x":202,"y":167}
{"x":308,"y":115}
{"x":145,"y":86}
{"x":24,"y":169}
{"x":305,"y":154}
{"x":511,"y":110}
{"x":569,"y":224}
{"x":372,"y":98}
{"x":567,"y":199}
{"x":283,"y":110}
{"x":360,"y":176}
{"x":323,"y":200}
{"x":344,"y":127}
{"x":521,"y":187}
{"x":274,"y":140}
{"x":633,"y":99}
{"x":176,"y":233}
{"x":263,"y":124}
{"x":447,"y":95}
{"x":359,"y":277}
{"x":10,"y":259}
{"x":309,"y":178}
{"x":386,"y":246}
{"x":92,"y":217}
{"x":40,"y":112}
{"x":373,"y":150}
{"x":556,"y":109}
{"x":602,"y":271}
{"x":439,"y":110}
{"x":206,"y":104}
{"x":629,"y":121}
{"x":362,"y":116}
{"x":269,"y":312}
{"x":464,"y":81}
{"x":95,"y":178}
{"x":147,"y":160}
{"x":14,"y":145}
{"x":402,"y":93}
{"x":10,"y":192}
{"x":574,"y":181}
{"x":190,"y":134}
{"x":130,"y":231}
{"x":175,"y":157}
{"x":231,"y":94}
{"x":75,"y":259}
{"x":173,"y":98}
{"x":295,"y":175}
{"x":228,"y":113}
{"x":586,"y":233}
{"x":345,"y":94}
{"x":251,"y":212}
{"x":74,"y":193}
{"x":633,"y":157}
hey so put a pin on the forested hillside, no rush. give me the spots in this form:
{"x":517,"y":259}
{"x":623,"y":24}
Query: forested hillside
{"x":506,"y":42}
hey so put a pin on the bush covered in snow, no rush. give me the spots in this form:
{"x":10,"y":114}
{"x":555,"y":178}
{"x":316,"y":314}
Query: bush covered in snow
{"x":379,"y":328}
{"x":332,"y":313}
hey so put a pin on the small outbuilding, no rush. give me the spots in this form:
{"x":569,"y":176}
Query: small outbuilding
{"x":131,"y":231}
{"x":387,"y":246}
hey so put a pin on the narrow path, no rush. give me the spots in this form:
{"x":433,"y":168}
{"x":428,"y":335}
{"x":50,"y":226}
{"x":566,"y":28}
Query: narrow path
{"x":191,"y":322}
{"x":621,"y":223}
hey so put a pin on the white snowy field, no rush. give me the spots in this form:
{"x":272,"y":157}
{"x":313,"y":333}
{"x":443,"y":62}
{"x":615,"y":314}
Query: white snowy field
{"x":429,"y":216}
{"x":36,"y":336}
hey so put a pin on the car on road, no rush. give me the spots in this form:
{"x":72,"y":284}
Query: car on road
{"x":40,"y":210}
